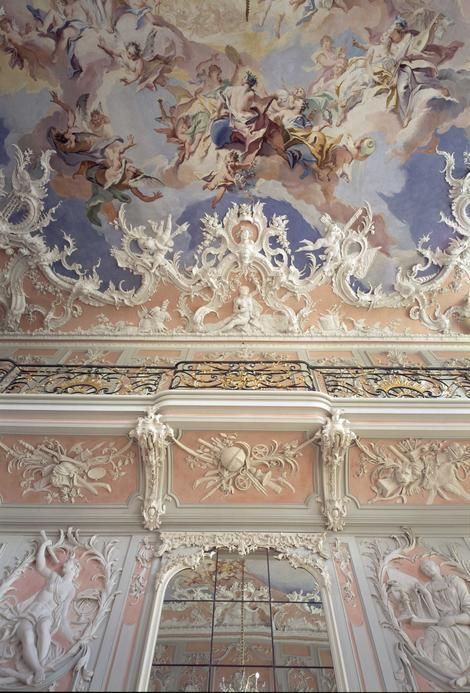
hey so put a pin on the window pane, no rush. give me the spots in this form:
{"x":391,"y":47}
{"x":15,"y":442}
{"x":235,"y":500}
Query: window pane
{"x":256,"y":577}
{"x":290,"y":584}
{"x":251,"y":570}
{"x":298,"y":679}
{"x":223,"y":677}
{"x":177,"y":678}
{"x":193,"y":584}
{"x":229,"y":576}
{"x":227,"y":647}
{"x":185,"y":632}
{"x":307,"y":619}
{"x":291,"y":652}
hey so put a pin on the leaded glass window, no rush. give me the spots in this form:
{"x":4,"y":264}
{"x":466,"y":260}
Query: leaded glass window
{"x":242,"y":623}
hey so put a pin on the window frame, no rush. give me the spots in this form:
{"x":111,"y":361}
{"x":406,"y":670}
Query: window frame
{"x":182,"y":550}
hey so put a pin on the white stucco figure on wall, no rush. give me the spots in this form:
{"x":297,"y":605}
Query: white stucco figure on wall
{"x":246,"y":315}
{"x":47,"y":635}
{"x":34,"y":621}
{"x":430,"y":618}
{"x":447,"y":641}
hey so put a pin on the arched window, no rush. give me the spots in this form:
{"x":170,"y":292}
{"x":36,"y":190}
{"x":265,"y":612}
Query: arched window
{"x":242,"y":623}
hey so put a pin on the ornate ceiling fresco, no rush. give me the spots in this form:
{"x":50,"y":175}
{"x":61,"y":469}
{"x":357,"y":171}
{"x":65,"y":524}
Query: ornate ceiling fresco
{"x":227,"y":167}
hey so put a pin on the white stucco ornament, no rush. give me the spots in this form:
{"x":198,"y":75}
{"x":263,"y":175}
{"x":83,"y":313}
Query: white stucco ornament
{"x":244,"y":266}
{"x":427,"y":610}
{"x":230,"y":465}
{"x":153,"y":438}
{"x":334,"y":438}
{"x":32,"y":654}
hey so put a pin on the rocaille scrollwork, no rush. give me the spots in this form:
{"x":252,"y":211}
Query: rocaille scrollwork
{"x":244,"y":263}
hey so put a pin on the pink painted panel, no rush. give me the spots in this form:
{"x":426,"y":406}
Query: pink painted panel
{"x":412,"y":472}
{"x":234,"y":471}
{"x":72,"y":469}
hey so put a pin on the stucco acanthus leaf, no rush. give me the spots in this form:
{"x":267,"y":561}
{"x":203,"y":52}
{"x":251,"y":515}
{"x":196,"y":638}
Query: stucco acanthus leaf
{"x":425,"y":600}
{"x":31,"y":657}
{"x":230,"y":465}
{"x":186,"y":549}
{"x":334,"y":438}
{"x":244,"y":261}
{"x":396,"y":472}
{"x":67,"y":476}
{"x":154,"y":438}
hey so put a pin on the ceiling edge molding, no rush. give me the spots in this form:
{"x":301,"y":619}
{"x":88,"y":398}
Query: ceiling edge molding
{"x":340,"y":341}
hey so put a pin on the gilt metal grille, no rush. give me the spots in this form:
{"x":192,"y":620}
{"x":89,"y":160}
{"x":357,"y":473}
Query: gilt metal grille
{"x":337,"y":381}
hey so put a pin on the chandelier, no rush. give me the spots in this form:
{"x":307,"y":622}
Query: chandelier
{"x":241,"y":681}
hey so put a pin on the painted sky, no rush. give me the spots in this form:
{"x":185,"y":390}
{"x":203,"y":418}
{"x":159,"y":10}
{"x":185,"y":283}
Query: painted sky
{"x":348,"y":99}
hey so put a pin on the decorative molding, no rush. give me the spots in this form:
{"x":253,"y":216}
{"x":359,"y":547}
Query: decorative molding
{"x":240,"y":251}
{"x":301,"y":550}
{"x":246,"y":354}
{"x":415,"y":467}
{"x":437,"y":609}
{"x":67,"y":476}
{"x":30,"y":658}
{"x":342,"y":558}
{"x":182,"y":550}
{"x":335,"y":438}
{"x":231,"y":465}
{"x":146,"y":553}
{"x":244,"y":261}
{"x":153,"y":438}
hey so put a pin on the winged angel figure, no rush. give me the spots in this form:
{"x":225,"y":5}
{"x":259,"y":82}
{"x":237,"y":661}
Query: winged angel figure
{"x":146,"y":65}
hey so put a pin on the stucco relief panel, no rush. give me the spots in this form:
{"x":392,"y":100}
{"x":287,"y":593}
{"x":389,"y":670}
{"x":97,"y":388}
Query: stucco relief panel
{"x":246,"y":467}
{"x":70,"y":469}
{"x":423,"y":600}
{"x":54,"y":599}
{"x":413,"y":472}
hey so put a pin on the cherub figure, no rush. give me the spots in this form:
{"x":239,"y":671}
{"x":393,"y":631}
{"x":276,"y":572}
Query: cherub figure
{"x":130,"y":59}
{"x":82,"y":138}
{"x":152,"y":320}
{"x":145,"y":64}
{"x":25,"y":46}
{"x":65,"y":23}
{"x":100,"y":160}
{"x":115,"y":162}
{"x":229,"y":175}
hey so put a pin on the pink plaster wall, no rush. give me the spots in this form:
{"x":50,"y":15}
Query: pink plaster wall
{"x":419,"y":484}
{"x":184,"y":478}
{"x":14,"y":484}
